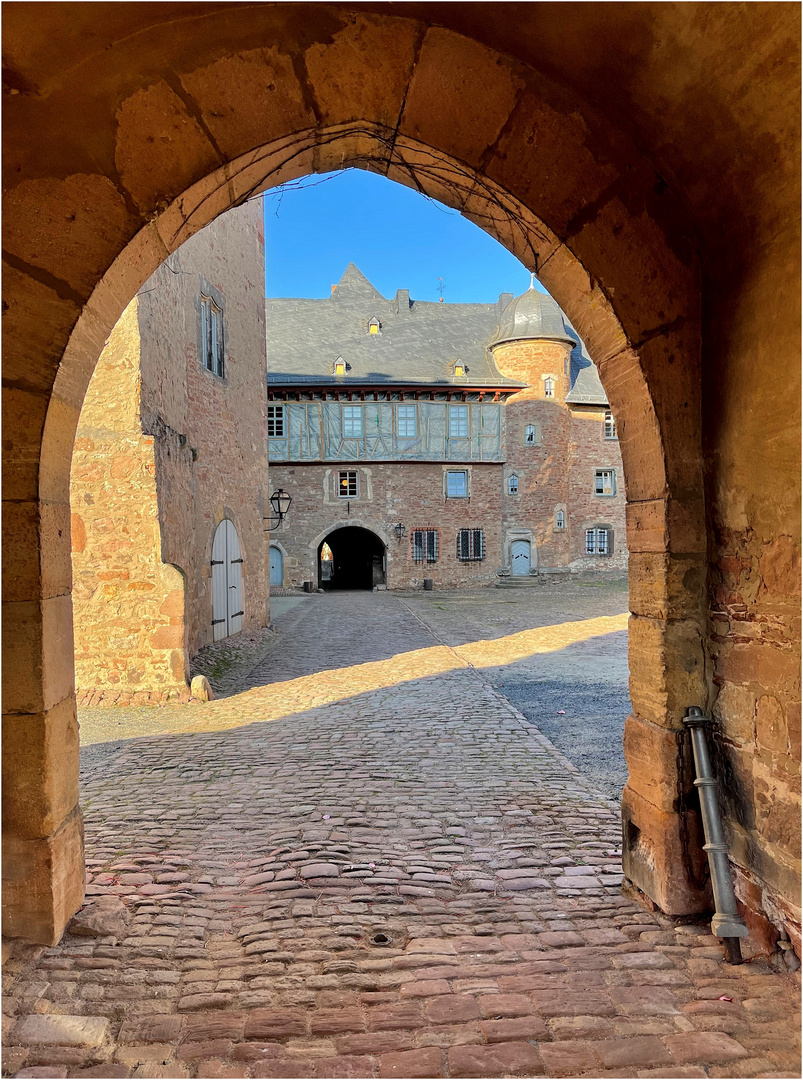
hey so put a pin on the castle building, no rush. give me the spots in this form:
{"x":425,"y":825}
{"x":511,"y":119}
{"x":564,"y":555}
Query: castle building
{"x":169,"y":482}
{"x":470,"y":444}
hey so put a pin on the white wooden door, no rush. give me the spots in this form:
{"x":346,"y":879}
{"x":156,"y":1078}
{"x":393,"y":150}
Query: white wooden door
{"x":227,"y":582}
{"x":276,"y":572}
{"x":520,"y":557}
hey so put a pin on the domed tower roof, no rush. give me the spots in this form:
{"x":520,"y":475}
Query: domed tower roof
{"x":532,"y":315}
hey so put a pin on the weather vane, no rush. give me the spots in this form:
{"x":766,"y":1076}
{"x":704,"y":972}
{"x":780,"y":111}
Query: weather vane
{"x":440,"y":288}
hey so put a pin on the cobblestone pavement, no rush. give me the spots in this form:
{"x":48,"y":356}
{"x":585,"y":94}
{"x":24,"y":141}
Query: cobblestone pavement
{"x":377,"y":870}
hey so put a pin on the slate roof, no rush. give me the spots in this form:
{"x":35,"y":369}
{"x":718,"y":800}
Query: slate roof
{"x":418,"y":343}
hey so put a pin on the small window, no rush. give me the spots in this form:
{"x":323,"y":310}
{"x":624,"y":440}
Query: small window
{"x":599,"y":541}
{"x":458,"y":421}
{"x":275,"y":421}
{"x":406,"y":421}
{"x":459,"y":370}
{"x":374,"y":326}
{"x":604,"y":482}
{"x":457,"y":484}
{"x":339,"y":366}
{"x":352,"y":421}
{"x":531,"y":434}
{"x":513,"y":485}
{"x":470,"y":545}
{"x":566,"y":365}
{"x":212,"y":336}
{"x":610,"y":426}
{"x":425,"y":545}
{"x":560,"y":519}
{"x":349,"y":487}
{"x":549,"y":387}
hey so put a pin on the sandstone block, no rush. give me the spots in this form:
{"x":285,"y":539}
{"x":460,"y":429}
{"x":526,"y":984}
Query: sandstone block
{"x":60,"y":1030}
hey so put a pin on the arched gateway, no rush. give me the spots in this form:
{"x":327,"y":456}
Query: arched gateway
{"x":355,"y":559}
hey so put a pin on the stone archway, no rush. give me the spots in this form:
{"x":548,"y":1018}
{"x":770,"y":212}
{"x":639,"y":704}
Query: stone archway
{"x":531,"y":162}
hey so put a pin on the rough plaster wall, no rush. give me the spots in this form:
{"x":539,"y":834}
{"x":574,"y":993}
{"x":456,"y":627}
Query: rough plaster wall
{"x":128,"y":605}
{"x":210,"y":433}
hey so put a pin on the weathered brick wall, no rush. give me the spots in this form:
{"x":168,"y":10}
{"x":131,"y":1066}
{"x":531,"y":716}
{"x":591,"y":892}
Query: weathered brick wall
{"x":128,"y":605}
{"x":165,"y":450}
{"x":590,"y":450}
{"x":411,"y":493}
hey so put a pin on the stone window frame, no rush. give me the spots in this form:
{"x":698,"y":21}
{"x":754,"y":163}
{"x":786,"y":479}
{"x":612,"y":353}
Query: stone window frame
{"x":348,"y":473}
{"x":537,"y":434}
{"x":429,"y":533}
{"x":513,"y":484}
{"x":279,"y":413}
{"x":207,"y":291}
{"x":560,"y":519}
{"x":600,"y":472}
{"x":550,"y":383}
{"x":609,"y":425}
{"x":596,"y":529}
{"x":466,"y":472}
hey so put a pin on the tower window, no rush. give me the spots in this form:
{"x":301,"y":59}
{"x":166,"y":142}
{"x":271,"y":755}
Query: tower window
{"x":513,"y":485}
{"x":532,"y":434}
{"x":549,"y":387}
{"x":610,"y":426}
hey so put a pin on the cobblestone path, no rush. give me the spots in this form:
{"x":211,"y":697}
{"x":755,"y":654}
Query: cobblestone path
{"x":374,"y":870}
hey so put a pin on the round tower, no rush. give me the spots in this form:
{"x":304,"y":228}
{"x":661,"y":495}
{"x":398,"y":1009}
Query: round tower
{"x":533,"y":346}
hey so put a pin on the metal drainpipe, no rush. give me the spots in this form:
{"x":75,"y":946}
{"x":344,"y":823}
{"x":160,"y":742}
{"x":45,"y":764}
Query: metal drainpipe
{"x":727,"y":924}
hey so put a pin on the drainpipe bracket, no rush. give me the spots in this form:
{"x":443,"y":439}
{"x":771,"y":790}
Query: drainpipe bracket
{"x":696,"y":718}
{"x":723,"y":926}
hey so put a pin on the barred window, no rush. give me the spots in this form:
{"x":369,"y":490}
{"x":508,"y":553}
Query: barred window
{"x":457,"y":484}
{"x":605,"y":482}
{"x":458,"y":421}
{"x":425,"y":545}
{"x":349,"y":487}
{"x":610,"y":426}
{"x":599,"y":542}
{"x":470,"y":545}
{"x":406,"y":421}
{"x":275,"y":421}
{"x":352,"y":421}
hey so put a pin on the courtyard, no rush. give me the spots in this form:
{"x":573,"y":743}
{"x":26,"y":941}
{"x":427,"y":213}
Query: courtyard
{"x":390,"y":847}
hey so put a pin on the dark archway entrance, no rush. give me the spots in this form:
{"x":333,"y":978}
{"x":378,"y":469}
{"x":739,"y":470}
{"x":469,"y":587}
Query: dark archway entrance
{"x":357,"y":562}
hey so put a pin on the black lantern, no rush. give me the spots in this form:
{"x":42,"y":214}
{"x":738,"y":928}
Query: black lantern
{"x":399,"y":530}
{"x":279,"y":504}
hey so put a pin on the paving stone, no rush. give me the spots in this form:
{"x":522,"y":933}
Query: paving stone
{"x":569,"y":1058}
{"x":703,"y":1046}
{"x":503,"y":1059}
{"x":626,"y":1053}
{"x":427,"y":1062}
{"x":511,"y":1030}
{"x":499,"y":1005}
{"x":156,"y":1029}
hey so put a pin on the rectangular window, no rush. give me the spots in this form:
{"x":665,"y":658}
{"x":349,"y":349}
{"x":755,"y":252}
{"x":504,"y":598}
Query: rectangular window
{"x":348,"y":487}
{"x":352,"y":421}
{"x":275,"y":421}
{"x":549,"y":387}
{"x":406,"y":422}
{"x":458,"y":421}
{"x":598,"y":542}
{"x":610,"y":426}
{"x":212,"y":336}
{"x":604,"y":482}
{"x":470,"y":545}
{"x":457,"y":485}
{"x":425,"y":545}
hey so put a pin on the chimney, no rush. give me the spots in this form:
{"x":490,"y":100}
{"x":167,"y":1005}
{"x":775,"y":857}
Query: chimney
{"x":402,"y":300}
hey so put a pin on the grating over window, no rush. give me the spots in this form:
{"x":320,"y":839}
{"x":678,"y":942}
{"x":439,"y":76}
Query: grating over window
{"x":598,"y":542}
{"x":425,"y":545}
{"x":549,"y":387}
{"x":212,"y":336}
{"x":513,"y":485}
{"x":457,"y":484}
{"x":610,"y":426}
{"x":470,"y":545}
{"x":275,"y":421}
{"x":348,"y":487}
{"x":352,"y":421}
{"x":406,"y":422}
{"x":604,"y":482}
{"x":458,"y":421}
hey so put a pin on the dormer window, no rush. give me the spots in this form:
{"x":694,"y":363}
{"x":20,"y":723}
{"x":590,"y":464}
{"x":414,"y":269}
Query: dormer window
{"x":459,"y":369}
{"x":374,"y":326}
{"x":339,"y":366}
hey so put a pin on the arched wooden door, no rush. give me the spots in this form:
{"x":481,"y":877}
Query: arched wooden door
{"x":276,"y":566}
{"x":227,"y":582}
{"x":520,"y":557}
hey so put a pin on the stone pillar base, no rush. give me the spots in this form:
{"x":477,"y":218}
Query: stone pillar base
{"x":662,"y":855}
{"x":43,"y":881}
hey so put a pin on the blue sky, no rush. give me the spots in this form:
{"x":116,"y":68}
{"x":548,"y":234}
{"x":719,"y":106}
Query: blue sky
{"x":398,"y":238}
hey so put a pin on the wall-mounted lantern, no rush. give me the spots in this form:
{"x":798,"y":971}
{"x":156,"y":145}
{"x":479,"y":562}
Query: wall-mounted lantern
{"x":279,"y":504}
{"x":399,"y":531}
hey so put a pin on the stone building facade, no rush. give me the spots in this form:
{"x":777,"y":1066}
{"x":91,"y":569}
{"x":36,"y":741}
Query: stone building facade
{"x":467,"y":443}
{"x":169,"y":481}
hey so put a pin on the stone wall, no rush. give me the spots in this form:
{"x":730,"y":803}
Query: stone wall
{"x":590,"y":450}
{"x":164,"y":451}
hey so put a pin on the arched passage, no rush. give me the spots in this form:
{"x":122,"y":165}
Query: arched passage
{"x":245,"y":104}
{"x":357,"y":559}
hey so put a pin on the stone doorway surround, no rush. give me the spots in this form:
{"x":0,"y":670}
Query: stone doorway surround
{"x":609,"y":236}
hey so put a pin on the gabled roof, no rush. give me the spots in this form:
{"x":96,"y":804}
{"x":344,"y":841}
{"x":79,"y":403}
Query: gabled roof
{"x":418,"y":342}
